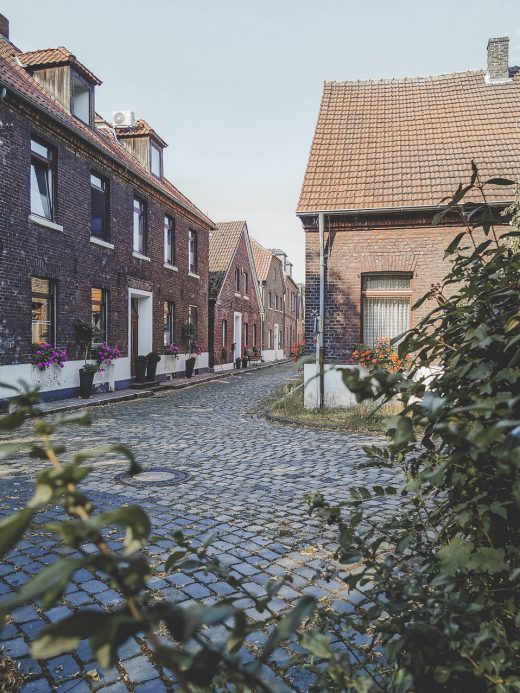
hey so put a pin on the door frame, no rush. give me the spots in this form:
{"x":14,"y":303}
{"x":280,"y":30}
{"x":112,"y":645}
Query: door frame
{"x":237,"y":333}
{"x":145,"y":322}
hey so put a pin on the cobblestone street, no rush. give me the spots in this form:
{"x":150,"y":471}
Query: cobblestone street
{"x":247,"y":482}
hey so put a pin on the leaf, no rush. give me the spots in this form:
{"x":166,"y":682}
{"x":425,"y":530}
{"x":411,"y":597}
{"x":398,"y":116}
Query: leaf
{"x":488,"y":560}
{"x":101,"y":450}
{"x":454,"y":243}
{"x":499,"y":181}
{"x":65,"y":635}
{"x":455,"y":555}
{"x":7,"y":449}
{"x":288,"y":624}
{"x":117,"y":628}
{"x":12,"y":528}
{"x":136,"y":522}
{"x":317,"y":643}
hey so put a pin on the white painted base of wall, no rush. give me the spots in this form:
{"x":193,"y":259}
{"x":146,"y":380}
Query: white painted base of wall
{"x":221,"y":367}
{"x":170,"y":364}
{"x":336,"y":393}
{"x":272,"y":355}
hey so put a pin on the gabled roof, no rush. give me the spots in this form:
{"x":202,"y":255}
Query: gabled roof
{"x":409,"y":142}
{"x":56,"y":56}
{"x":222,"y":244}
{"x":262,"y":258}
{"x":140,"y":129}
{"x":21,"y":85}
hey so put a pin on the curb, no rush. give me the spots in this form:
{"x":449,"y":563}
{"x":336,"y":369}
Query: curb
{"x":97,"y":403}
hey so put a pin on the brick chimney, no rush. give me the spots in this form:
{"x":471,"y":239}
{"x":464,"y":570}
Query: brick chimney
{"x":497,"y":60}
{"x":4,"y":27}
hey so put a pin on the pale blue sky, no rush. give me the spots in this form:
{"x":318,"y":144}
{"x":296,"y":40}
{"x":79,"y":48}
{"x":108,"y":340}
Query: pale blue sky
{"x":234,"y":85}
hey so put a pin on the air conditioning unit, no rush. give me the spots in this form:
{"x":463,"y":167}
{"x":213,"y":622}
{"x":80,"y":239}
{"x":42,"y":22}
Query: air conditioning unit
{"x":123,"y":119}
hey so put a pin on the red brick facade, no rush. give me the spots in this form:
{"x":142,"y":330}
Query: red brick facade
{"x":272,"y":293}
{"x":290,"y":314}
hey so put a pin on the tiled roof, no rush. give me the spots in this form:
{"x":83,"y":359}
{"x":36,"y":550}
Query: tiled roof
{"x":222,"y":244}
{"x":17,"y":79}
{"x":409,"y":142}
{"x":262,"y":259}
{"x":56,"y":56}
{"x":140,"y":128}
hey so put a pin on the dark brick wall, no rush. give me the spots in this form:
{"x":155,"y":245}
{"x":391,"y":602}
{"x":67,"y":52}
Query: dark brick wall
{"x":228,"y":304}
{"x":354,"y":246}
{"x":26,"y":248}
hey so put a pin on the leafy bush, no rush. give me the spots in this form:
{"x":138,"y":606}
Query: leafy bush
{"x":437,"y":575}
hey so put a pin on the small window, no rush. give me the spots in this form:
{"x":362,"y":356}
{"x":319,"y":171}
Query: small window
{"x":385,"y":310}
{"x":42,"y":180}
{"x":254,"y":334}
{"x":169,"y":240}
{"x":99,"y":314}
{"x":81,"y":98}
{"x":193,"y":251}
{"x":237,"y":279}
{"x":43,"y":306}
{"x":270,"y":336}
{"x":246,"y":334}
{"x":270,"y":304}
{"x":169,"y":322}
{"x":246,"y":283}
{"x":193,"y":316}
{"x":98,"y":207}
{"x":139,"y":226}
{"x":155,"y":160}
{"x":224,"y":333}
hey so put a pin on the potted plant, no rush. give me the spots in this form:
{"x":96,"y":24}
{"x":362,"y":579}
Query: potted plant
{"x":238,"y":362}
{"x":85,"y":333}
{"x":224,"y":355}
{"x":140,"y":368}
{"x":172,"y":350}
{"x":189,"y":335}
{"x":244,"y":360}
{"x":152,"y":359}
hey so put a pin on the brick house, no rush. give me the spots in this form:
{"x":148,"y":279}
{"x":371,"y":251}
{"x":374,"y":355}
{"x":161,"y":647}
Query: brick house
{"x":384,"y":155}
{"x":235,"y":305}
{"x":290,"y":302}
{"x":90,"y":228}
{"x":269,"y":270}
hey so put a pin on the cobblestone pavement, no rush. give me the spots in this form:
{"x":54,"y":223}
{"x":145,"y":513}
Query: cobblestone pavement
{"x":248,"y":478}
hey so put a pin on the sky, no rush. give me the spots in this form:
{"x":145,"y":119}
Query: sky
{"x":234,"y":86}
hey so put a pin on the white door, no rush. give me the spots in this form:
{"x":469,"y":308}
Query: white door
{"x":276,"y":341}
{"x":237,"y":334}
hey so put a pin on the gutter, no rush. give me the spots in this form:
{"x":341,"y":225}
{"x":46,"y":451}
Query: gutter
{"x":384,"y":210}
{"x":29,"y":102}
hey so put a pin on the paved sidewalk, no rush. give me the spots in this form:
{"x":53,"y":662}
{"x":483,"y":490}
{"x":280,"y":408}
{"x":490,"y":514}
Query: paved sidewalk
{"x":247,"y":482}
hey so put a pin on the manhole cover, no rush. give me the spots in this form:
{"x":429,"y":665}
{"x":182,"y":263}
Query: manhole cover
{"x":154,"y":476}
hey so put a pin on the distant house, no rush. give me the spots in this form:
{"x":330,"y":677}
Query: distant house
{"x":269,"y":270}
{"x":290,"y":302}
{"x":384,"y":155}
{"x":90,"y":229}
{"x":235,"y":306}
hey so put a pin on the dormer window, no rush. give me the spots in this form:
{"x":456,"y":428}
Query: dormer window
{"x":155,"y":160}
{"x":80,"y":98}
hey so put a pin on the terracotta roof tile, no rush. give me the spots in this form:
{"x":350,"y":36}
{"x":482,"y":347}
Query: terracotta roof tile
{"x":262,"y":259}
{"x":140,"y":128}
{"x":56,"y":56}
{"x":409,"y":142}
{"x":222,"y":244}
{"x":17,"y":79}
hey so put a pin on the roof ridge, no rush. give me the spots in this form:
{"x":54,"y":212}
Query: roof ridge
{"x":403,"y":80}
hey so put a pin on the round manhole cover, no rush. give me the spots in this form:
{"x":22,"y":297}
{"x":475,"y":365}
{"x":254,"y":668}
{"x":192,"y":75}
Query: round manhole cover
{"x":154,"y":476}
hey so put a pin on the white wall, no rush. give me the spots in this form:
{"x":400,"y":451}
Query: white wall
{"x":168,"y":364}
{"x":336,"y":393}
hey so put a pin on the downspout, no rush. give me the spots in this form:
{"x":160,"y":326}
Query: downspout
{"x":320,"y":347}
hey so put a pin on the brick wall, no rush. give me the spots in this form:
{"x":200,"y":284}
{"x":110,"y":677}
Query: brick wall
{"x":228,"y":303}
{"x":353,"y":247}
{"x":274,"y":284}
{"x":69,"y":257}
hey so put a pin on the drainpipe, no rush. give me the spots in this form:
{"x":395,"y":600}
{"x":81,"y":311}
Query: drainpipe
{"x":321,"y":340}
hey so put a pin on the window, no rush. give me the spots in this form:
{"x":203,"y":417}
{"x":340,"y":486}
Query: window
{"x":169,"y":240}
{"x":80,"y":98}
{"x":385,"y":306}
{"x":246,"y":334}
{"x":155,"y":161}
{"x":246,"y":283}
{"x":224,"y":333}
{"x":99,"y":314}
{"x":270,"y":295}
{"x":169,"y":322}
{"x":43,"y":310}
{"x":254,"y":334}
{"x":139,"y":226}
{"x":98,"y":207}
{"x":42,"y":180}
{"x":193,"y":259}
{"x":237,"y":279}
{"x":193,"y":316}
{"x":270,"y":335}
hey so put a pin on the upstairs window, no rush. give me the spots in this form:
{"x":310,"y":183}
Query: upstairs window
{"x":237,"y":280}
{"x":43,"y":308}
{"x":192,"y":245}
{"x":100,"y":314}
{"x":139,"y":226}
{"x":270,"y":303}
{"x":193,"y":317}
{"x":169,"y":240}
{"x":385,"y":306}
{"x":155,"y":160}
{"x":42,"y":180}
{"x":81,"y":98}
{"x":246,"y":283}
{"x":169,"y":322}
{"x":246,"y":334}
{"x":98,"y":207}
{"x":224,"y":333}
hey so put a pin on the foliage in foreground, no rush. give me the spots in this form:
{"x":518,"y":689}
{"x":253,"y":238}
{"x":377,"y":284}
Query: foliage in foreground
{"x":191,"y":658}
{"x":440,"y":571}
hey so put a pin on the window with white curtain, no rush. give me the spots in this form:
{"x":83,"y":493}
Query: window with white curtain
{"x":385,"y":306}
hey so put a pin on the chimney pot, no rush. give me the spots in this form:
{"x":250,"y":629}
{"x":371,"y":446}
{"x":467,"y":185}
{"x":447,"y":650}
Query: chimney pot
{"x":498,"y":60}
{"x":4,"y":27}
